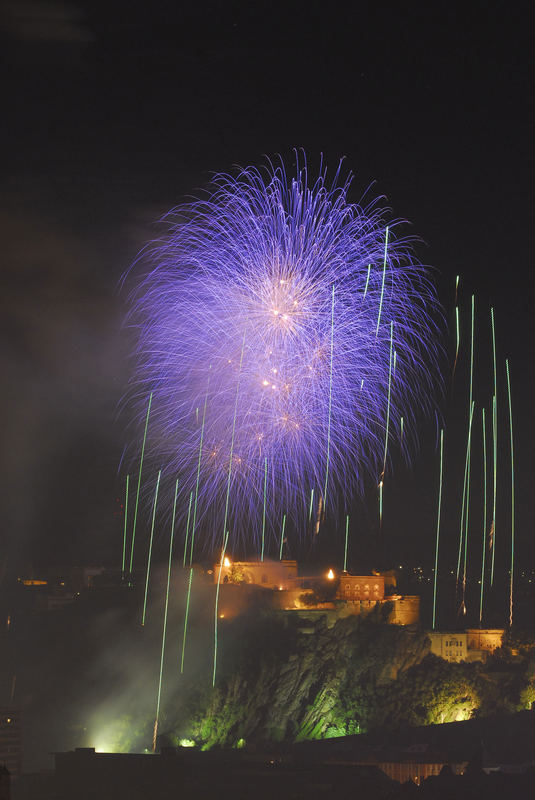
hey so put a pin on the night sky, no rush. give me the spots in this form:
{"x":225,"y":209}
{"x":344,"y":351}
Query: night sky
{"x":115,"y":111}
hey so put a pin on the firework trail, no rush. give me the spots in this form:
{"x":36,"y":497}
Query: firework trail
{"x":225,"y":531}
{"x":387,"y":426}
{"x":465,"y":499}
{"x":187,"y":530}
{"x":139,"y":483}
{"x":345,"y":545}
{"x":264,"y":256}
{"x":463,"y":532}
{"x":282,"y":536}
{"x":457,"y":330}
{"x":494,"y":445}
{"x":264,"y":512}
{"x":190,"y":579}
{"x":438,"y":525}
{"x":484,"y":431}
{"x":149,"y":557}
{"x":164,"y":629}
{"x":512,"y":496}
{"x":125,"y":525}
{"x":329,"y":415}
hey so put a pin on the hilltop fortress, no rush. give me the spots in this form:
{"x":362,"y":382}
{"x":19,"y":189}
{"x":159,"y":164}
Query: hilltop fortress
{"x":337,"y":595}
{"x":334,"y":595}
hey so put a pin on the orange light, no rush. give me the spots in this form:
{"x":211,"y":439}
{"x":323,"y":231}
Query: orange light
{"x":226,"y":562}
{"x":330,"y":575}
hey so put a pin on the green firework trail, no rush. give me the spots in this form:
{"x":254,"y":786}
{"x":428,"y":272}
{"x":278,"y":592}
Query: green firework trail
{"x":345,"y":547}
{"x":311,"y":504}
{"x":465,"y":482}
{"x":381,"y":502}
{"x":511,"y":577}
{"x":164,"y":630}
{"x":438,"y":525}
{"x":457,"y":338}
{"x":282,"y":536}
{"x":382,"y":284}
{"x":330,"y":408}
{"x":199,"y":470}
{"x":494,"y":445}
{"x":139,"y":483}
{"x":472,"y":351}
{"x":190,"y":580}
{"x":484,"y":431}
{"x":149,"y":558}
{"x":387,"y":426}
{"x":457,"y":328}
{"x":187,"y":530}
{"x":186,"y":615}
{"x":367,"y":280}
{"x":125,"y":525}
{"x":264,"y":511}
{"x":467,"y":462}
{"x":225,"y":531}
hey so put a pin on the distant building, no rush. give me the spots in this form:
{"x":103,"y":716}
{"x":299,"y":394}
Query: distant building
{"x":451,"y":646}
{"x":485,"y":639}
{"x":474,"y":644}
{"x":354,"y":588}
{"x":269,"y":574}
{"x":405,"y":609}
{"x":240,"y":582}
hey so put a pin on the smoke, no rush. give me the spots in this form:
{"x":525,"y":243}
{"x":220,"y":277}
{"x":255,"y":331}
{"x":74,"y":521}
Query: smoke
{"x":64,"y":365}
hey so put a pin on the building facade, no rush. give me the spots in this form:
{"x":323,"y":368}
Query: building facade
{"x":451,"y":646}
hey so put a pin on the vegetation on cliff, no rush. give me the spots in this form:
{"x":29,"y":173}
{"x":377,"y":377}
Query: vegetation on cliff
{"x":285,"y":678}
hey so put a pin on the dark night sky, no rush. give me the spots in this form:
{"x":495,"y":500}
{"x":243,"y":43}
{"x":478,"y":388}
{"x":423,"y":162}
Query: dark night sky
{"x":116,"y":110}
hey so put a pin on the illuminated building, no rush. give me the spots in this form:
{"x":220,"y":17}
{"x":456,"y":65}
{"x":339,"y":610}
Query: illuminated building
{"x":354,"y":588}
{"x":269,"y":574}
{"x":486,"y":640}
{"x":337,"y":595}
{"x":449,"y":646}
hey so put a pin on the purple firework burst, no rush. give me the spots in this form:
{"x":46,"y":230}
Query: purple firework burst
{"x":283,"y":332}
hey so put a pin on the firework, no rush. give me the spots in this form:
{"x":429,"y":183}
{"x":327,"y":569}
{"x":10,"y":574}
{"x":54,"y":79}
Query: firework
{"x":494,"y":443}
{"x":264,"y":512}
{"x":139,"y":483}
{"x":438,"y":526}
{"x":149,"y":556}
{"x":164,"y":629}
{"x":484,"y":431}
{"x":125,"y":525}
{"x":186,"y":539}
{"x":312,"y":285}
{"x":345,"y":545}
{"x":511,"y":571}
{"x":282,"y":536}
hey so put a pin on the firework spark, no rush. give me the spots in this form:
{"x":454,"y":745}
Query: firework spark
{"x":260,"y":261}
